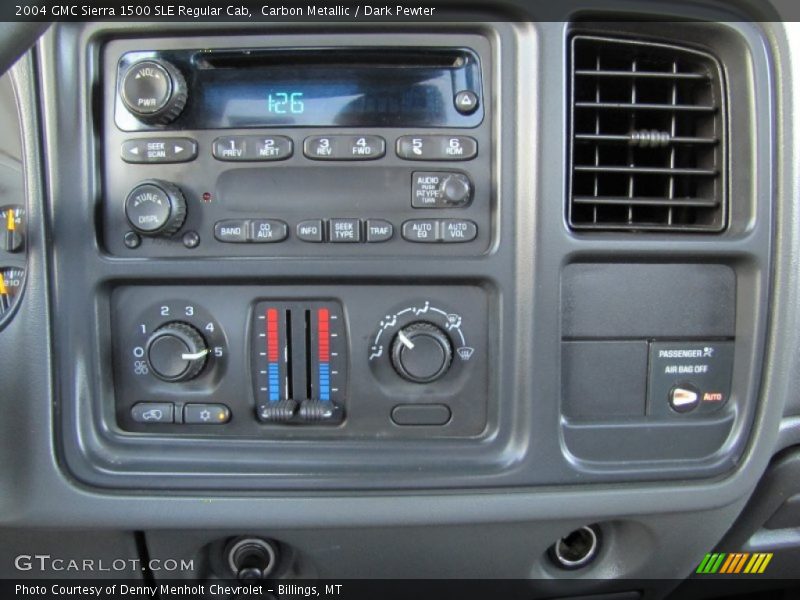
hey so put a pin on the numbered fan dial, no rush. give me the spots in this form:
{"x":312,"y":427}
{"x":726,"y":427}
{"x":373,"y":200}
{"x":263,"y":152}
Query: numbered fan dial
{"x":176,"y":342}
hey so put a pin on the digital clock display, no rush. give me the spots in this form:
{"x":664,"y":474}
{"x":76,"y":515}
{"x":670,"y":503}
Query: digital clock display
{"x":313,"y":88}
{"x":282,"y":103}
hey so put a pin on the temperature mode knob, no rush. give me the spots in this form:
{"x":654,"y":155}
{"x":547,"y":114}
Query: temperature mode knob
{"x":176,"y":352}
{"x":421,"y":352}
{"x":156,"y":207}
{"x":154,"y":91}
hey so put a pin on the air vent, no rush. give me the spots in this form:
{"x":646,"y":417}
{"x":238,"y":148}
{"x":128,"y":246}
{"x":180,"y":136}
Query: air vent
{"x":648,"y":143}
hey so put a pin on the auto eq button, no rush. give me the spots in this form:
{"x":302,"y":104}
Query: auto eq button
{"x":421,"y":230}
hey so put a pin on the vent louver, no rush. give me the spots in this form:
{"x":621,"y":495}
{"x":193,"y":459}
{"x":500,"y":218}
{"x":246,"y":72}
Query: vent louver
{"x":648,"y":138}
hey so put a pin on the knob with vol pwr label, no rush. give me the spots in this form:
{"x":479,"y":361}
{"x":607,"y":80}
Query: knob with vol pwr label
{"x":421,"y":352}
{"x":155,"y":207}
{"x":176,"y":352}
{"x":154,"y":91}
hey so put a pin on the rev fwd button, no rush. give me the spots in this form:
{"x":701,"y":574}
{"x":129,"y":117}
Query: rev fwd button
{"x":684,"y":398}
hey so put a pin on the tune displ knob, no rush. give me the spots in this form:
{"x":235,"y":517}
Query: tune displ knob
{"x":156,"y":207}
{"x":154,"y":91}
{"x":176,"y":352}
{"x":421,"y":352}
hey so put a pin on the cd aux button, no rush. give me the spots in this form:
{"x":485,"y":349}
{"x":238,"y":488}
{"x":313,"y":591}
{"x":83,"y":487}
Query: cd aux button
{"x":268,"y":230}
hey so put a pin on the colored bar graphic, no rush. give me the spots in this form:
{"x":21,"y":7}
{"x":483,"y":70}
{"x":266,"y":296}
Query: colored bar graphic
{"x":324,"y":353}
{"x":734,"y":563}
{"x":273,"y":355}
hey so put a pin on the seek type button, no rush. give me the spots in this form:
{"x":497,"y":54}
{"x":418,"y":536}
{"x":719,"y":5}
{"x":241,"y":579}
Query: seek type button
{"x":440,"y":189}
{"x":268,"y":230}
{"x":344,"y":230}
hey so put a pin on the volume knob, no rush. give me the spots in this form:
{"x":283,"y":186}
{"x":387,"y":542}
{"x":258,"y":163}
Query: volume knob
{"x":421,"y":352}
{"x":154,"y":91}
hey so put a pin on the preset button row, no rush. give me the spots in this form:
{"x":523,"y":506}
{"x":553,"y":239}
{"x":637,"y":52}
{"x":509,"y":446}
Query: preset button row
{"x":258,"y":148}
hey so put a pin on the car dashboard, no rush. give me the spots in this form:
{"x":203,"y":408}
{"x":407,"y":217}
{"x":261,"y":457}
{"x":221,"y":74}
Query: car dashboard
{"x":495,"y":295}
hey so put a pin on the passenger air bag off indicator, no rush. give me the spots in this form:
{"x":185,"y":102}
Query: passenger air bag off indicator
{"x":689,"y":378}
{"x":299,"y":361}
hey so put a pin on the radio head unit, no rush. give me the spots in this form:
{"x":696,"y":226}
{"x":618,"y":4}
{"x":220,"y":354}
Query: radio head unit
{"x":275,"y":149}
{"x":299,"y":87}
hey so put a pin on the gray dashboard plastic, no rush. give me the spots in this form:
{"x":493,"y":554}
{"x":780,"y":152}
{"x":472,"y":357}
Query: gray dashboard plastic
{"x":522,"y":274}
{"x":39,"y":489}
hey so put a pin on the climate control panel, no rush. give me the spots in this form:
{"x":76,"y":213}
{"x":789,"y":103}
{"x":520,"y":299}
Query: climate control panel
{"x":302,"y":362}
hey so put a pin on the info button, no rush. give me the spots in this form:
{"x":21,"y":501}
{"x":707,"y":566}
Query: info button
{"x":310,"y":231}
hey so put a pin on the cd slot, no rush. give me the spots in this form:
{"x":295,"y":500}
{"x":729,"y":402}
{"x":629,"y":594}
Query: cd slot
{"x":353,"y":58}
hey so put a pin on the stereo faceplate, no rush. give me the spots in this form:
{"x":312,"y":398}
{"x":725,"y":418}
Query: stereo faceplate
{"x":345,"y":189}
